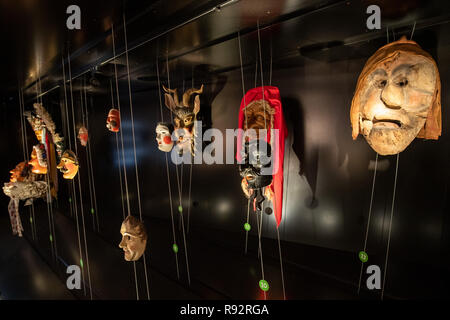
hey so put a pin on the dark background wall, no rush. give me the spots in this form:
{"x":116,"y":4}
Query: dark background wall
{"x":316,"y":50}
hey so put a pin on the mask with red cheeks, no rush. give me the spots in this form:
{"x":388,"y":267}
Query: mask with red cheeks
{"x":113,"y":120}
{"x":164,"y":136}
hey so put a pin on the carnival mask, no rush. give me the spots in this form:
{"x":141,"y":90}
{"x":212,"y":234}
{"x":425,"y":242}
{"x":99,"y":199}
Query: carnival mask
{"x":113,"y":120}
{"x":164,"y":136}
{"x":38,"y":160}
{"x":19,"y":173}
{"x":68,"y":165}
{"x":185,"y":113}
{"x":83,"y":136}
{"x":254,"y":159}
{"x":134,"y":238}
{"x":258,"y":116}
{"x":397,"y":98}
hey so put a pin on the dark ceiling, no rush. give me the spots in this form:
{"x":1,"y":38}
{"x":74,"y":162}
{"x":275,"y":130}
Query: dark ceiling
{"x":35,"y":33}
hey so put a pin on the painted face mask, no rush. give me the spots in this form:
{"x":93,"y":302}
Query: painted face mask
{"x":20,"y":172}
{"x":164,"y":136}
{"x":68,"y":165}
{"x":397,"y":98}
{"x":113,"y":120}
{"x":185,"y":113}
{"x":134,"y":238}
{"x":83,"y":136}
{"x":38,"y":160}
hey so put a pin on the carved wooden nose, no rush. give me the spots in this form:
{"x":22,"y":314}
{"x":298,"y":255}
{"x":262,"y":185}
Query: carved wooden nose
{"x":392,"y":96}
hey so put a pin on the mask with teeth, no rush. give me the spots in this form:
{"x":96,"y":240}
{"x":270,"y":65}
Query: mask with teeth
{"x":68,"y":165}
{"x":397,"y":98}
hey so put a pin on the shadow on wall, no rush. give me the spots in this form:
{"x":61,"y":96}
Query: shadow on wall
{"x":309,"y":160}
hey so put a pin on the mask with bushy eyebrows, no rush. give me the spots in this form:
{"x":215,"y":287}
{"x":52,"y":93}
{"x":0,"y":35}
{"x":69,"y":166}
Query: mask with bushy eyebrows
{"x":184,"y":113}
{"x":397,"y":98}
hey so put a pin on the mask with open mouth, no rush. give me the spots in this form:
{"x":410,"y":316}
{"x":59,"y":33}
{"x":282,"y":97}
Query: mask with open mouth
{"x":397,"y":98}
{"x":68,"y":165}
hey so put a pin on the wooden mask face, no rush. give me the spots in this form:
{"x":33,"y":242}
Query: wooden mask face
{"x":83,"y":136}
{"x":397,"y":98}
{"x":37,"y":161}
{"x":19,"y":173}
{"x":68,"y":165}
{"x":113,"y":120}
{"x":184,"y":113}
{"x":164,"y":136}
{"x":134,"y":238}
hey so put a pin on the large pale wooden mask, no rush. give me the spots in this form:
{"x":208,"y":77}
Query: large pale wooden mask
{"x":397,"y":98}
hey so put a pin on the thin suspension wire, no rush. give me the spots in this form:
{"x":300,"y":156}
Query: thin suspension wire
{"x":178,"y":183}
{"x":83,"y":118}
{"x":281,"y":264}
{"x":72,"y":183}
{"x":134,"y":146}
{"x":48,"y":195}
{"x":123,"y":152}
{"x":90,"y":160}
{"x":168,"y":174}
{"x":368,"y":220}
{"x":262,"y":74}
{"x":412,"y":32}
{"x":390,"y":228}
{"x":118,"y":158}
{"x":189,"y":196}
{"x":246,"y":232}
{"x":79,"y":186}
{"x":260,"y":246}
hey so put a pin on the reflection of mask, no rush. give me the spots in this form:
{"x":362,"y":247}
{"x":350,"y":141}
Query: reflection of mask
{"x":38,"y":162}
{"x":134,"y":238}
{"x":397,"y":98}
{"x":68,"y":165}
{"x":113,"y":120}
{"x":83,"y":136}
{"x":19,"y":173}
{"x":164,"y":136}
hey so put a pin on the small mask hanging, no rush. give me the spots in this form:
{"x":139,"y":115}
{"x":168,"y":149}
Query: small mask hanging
{"x":397,"y":98}
{"x":68,"y":165}
{"x":20,"y":172}
{"x":38,"y":160}
{"x":113,"y":120}
{"x":83,"y":136}
{"x":164,"y":136}
{"x":261,"y":109}
{"x":134,"y":238}
{"x":185,"y":115}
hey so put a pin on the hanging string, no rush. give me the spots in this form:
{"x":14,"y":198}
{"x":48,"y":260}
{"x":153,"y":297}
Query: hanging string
{"x":48,"y":195}
{"x":271,"y":60}
{"x":260,"y":245}
{"x":79,"y":183}
{"x":123,"y":152}
{"x":387,"y":33}
{"x":390,"y":228}
{"x":134,"y":146}
{"x":25,"y":153}
{"x":246,"y":123}
{"x":90,"y":161}
{"x":262,"y":74}
{"x":368,"y":220}
{"x":178,"y":182}
{"x":168,"y":176}
{"x":412,"y":32}
{"x":189,"y":196}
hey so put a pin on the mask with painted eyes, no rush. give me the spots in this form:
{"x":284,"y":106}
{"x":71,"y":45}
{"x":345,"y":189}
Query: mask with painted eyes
{"x":68,"y":165}
{"x":164,"y":136}
{"x":255,"y":158}
{"x":134,"y":238}
{"x":83,"y":136}
{"x":185,"y":113}
{"x":397,"y":98}
{"x":113,"y":120}
{"x":38,"y":160}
